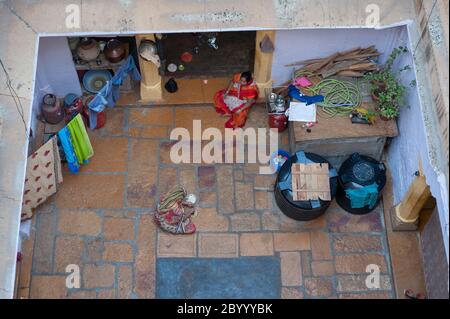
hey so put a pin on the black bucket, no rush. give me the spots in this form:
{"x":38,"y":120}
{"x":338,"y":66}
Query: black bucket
{"x":301,"y":210}
{"x":359,"y":170}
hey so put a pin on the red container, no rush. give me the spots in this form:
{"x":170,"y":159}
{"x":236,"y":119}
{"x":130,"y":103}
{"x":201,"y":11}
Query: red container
{"x":101,"y":117}
{"x":278,"y":121}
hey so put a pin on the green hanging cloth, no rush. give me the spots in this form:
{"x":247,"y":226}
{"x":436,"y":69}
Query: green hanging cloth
{"x":80,"y":139}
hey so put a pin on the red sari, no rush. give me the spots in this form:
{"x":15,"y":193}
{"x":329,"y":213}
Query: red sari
{"x":243,"y":92}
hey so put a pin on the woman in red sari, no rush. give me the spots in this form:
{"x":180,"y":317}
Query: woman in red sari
{"x":237,"y":99}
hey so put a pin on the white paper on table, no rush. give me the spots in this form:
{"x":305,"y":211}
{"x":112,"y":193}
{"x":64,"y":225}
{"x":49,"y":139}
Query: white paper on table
{"x":300,"y":112}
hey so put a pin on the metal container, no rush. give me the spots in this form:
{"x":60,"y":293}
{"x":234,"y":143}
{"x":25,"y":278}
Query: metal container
{"x":114,"y":51}
{"x":88,"y":49}
{"x":51,"y":109}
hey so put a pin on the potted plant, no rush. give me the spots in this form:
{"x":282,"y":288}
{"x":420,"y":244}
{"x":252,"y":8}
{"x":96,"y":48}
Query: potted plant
{"x":386,"y":90}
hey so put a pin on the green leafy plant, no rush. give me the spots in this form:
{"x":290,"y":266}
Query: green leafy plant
{"x":386,"y":90}
{"x":389,"y":113}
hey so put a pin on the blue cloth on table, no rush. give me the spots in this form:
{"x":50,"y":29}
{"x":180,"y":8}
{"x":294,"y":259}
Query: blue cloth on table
{"x":296,"y":94}
{"x":66,"y":143}
{"x":110,"y":93}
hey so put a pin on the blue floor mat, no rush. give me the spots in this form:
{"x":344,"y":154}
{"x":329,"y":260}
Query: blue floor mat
{"x":204,"y":278}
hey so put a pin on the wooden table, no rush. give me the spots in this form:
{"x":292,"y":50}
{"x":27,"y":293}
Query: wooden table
{"x":337,"y":138}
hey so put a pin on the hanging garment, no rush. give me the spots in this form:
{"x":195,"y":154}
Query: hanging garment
{"x":42,"y":177}
{"x":69,"y":152}
{"x":75,"y":143}
{"x":296,"y":94}
{"x":110,"y":92}
{"x":80,"y":140}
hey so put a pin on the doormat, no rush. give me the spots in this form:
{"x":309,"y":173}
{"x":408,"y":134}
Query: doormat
{"x":208,"y":278}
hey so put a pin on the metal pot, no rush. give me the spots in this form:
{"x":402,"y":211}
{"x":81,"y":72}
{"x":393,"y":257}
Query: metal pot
{"x":88,"y":49}
{"x":114,"y":51}
{"x":51,"y":109}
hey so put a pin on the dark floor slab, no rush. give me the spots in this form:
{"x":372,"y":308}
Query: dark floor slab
{"x":201,"y":278}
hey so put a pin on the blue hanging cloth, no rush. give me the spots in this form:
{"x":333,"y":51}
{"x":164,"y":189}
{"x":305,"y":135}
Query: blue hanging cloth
{"x":110,"y":93}
{"x":66,"y":143}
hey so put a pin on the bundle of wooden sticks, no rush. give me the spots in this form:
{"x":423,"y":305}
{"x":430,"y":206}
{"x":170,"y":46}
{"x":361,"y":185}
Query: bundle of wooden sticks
{"x":353,"y":63}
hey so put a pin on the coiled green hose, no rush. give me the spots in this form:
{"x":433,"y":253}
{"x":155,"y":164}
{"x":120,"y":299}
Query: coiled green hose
{"x":341,"y":97}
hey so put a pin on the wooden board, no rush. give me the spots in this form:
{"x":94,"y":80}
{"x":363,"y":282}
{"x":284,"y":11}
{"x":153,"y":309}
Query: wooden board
{"x":310,"y":182}
{"x":340,"y":127}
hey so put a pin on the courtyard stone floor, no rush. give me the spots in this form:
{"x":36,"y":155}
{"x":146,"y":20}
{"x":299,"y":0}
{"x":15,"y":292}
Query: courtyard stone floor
{"x":102,"y":220}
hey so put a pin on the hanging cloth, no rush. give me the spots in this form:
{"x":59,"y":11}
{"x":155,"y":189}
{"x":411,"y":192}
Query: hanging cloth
{"x":110,"y":93}
{"x":75,"y":143}
{"x":42,"y":177}
{"x":80,"y":139}
{"x":69,"y":152}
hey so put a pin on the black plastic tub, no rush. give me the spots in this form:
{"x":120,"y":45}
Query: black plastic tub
{"x":359,"y":170}
{"x":301,"y":210}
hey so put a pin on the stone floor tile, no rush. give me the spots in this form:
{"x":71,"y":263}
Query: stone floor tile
{"x":168,"y":179}
{"x":357,"y":283}
{"x":292,"y":241}
{"x":145,"y":261}
{"x":357,"y":263}
{"x":188,"y":179}
{"x":319,"y":287}
{"x":245,"y":222}
{"x":208,"y":199}
{"x":94,"y":249}
{"x":244,"y":196}
{"x":43,"y":251}
{"x":82,"y":191}
{"x":343,"y":222}
{"x":209,"y":220}
{"x":320,"y":245}
{"x":218,"y":245}
{"x":256,"y":244}
{"x":48,"y":287}
{"x":68,"y":250}
{"x":306,"y":263}
{"x":157,"y":132}
{"x":82,"y":294}
{"x":142,"y":173}
{"x":291,"y":293}
{"x":206,"y":177}
{"x":225,"y":189}
{"x":98,"y":276}
{"x":125,"y":282}
{"x":111,"y":155}
{"x":139,"y":117}
{"x":270,"y":221}
{"x":322,"y":268}
{"x":170,"y":245}
{"x":118,"y":252}
{"x":106,"y":294}
{"x":263,"y":200}
{"x":357,"y":244}
{"x":291,"y":269}
{"x":118,"y":229}
{"x":79,"y":222}
{"x":367,"y":295}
